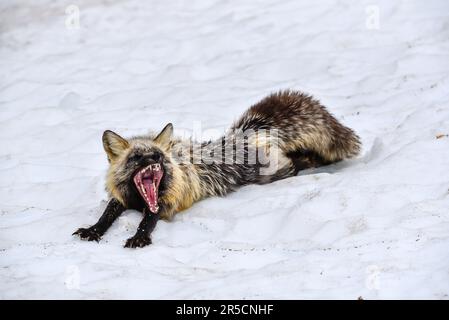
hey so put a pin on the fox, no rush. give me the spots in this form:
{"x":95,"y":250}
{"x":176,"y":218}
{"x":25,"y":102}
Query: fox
{"x":160,"y":175}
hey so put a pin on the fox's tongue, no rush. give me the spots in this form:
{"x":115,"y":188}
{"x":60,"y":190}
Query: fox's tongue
{"x":147,"y":182}
{"x":151,"y":194}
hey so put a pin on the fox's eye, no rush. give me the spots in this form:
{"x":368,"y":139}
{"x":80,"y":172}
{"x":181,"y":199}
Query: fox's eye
{"x":135,"y":157}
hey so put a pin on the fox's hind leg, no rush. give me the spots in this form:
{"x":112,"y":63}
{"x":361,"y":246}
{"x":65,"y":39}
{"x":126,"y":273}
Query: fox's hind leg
{"x":305,"y":159}
{"x":113,"y":210}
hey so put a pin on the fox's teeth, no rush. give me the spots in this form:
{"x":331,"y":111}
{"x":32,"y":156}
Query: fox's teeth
{"x":144,"y":193}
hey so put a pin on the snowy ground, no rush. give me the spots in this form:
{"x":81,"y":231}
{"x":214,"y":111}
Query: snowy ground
{"x":376,"y":227}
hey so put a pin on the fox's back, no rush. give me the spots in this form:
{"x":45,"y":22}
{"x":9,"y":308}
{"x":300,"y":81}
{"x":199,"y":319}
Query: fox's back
{"x":302,"y":126}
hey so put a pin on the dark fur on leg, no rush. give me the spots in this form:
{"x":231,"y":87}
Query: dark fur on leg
{"x":113,"y":210}
{"x":305,"y":159}
{"x":146,"y":226}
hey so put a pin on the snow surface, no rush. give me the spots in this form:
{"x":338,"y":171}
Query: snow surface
{"x":375,"y":227}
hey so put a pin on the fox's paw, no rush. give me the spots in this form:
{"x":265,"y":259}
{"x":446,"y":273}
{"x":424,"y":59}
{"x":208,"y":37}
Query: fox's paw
{"x":89,"y":234}
{"x":138,"y":242}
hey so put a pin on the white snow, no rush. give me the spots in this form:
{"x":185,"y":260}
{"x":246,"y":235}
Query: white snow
{"x":375,"y":227}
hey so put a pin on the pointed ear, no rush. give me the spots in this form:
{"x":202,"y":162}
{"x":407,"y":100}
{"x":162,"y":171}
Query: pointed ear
{"x":165,"y":135}
{"x":113,"y":144}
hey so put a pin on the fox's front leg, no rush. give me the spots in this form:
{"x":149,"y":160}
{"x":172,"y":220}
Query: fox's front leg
{"x":146,"y":227}
{"x":113,"y":210}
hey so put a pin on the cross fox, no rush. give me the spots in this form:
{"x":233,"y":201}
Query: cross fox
{"x":161,"y":175}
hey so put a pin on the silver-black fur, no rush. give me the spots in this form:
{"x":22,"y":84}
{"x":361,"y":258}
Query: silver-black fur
{"x":274,"y":139}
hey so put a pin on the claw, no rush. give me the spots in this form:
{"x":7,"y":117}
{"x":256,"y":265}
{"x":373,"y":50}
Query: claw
{"x":137,"y":242}
{"x":89,"y":234}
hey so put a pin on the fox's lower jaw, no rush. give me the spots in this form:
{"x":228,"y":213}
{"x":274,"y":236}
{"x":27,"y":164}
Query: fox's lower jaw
{"x":147,"y":181}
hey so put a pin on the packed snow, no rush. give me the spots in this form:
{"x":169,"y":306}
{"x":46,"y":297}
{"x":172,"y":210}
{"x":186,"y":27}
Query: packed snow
{"x":373,"y":227}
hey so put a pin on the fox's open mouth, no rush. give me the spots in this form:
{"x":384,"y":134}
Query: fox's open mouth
{"x":147,"y":181}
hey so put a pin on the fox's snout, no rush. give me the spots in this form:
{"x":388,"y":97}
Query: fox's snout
{"x":147,"y":159}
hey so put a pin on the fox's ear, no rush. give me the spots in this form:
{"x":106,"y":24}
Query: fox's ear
{"x":165,"y":135}
{"x":113,"y":144}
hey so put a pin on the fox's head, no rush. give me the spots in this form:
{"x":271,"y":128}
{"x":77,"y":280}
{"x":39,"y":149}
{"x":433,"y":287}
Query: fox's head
{"x":141,"y":168}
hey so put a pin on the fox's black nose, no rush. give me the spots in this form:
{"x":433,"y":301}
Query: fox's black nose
{"x":156,"y":156}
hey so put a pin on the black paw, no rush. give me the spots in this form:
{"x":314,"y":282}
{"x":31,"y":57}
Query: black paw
{"x":89,"y":234}
{"x":138,"y":242}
